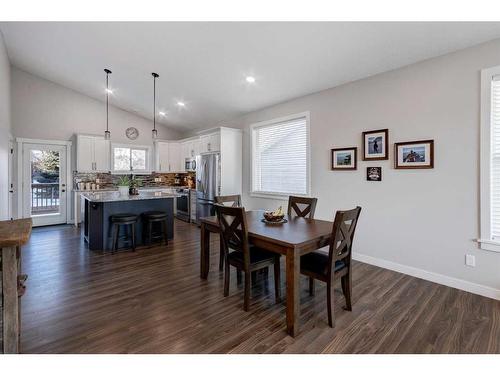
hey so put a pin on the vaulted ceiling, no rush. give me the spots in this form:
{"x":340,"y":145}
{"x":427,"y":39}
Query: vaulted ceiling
{"x":205,"y":64}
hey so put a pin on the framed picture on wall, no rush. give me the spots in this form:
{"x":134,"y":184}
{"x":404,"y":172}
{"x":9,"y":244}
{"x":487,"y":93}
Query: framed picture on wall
{"x":414,"y":155}
{"x":376,"y":144}
{"x":373,"y":173}
{"x":344,"y":158}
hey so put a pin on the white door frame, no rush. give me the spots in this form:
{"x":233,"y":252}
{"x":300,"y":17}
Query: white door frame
{"x":20,"y":162}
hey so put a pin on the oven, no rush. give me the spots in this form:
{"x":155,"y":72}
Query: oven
{"x":190,"y":165}
{"x":183,"y":205}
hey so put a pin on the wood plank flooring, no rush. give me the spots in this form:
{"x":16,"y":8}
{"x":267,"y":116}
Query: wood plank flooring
{"x":153,"y":301}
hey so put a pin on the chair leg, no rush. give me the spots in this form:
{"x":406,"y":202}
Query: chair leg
{"x":150,"y":232}
{"x":246,"y":301}
{"x":165,"y":233}
{"x":329,"y":302}
{"x":226,"y":279}
{"x":116,"y":230}
{"x":311,"y":286}
{"x":238,"y":276}
{"x":133,"y":236}
{"x":221,"y":255}
{"x":277,"y":280}
{"x":346,"y":281}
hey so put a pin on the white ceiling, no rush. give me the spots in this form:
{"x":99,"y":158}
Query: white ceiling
{"x":205,"y":64}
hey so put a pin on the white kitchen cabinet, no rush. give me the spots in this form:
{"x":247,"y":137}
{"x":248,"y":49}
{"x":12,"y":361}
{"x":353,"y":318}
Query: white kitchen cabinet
{"x":195,"y":150}
{"x":175,"y":157}
{"x":162,"y":156}
{"x":210,"y":142}
{"x":92,"y":154}
{"x":169,"y":157}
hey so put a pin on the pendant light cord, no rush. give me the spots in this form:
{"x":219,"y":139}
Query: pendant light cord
{"x":107,"y":102}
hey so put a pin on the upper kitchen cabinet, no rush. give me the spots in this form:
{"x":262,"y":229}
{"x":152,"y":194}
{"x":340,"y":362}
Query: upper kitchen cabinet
{"x":210,"y":142}
{"x":191,"y":148}
{"x":169,"y":157}
{"x":92,"y":154}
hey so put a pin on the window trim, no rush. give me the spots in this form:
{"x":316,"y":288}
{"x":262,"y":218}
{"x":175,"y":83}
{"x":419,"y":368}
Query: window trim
{"x":485,"y":241}
{"x":132,"y":147}
{"x":278,"y":195}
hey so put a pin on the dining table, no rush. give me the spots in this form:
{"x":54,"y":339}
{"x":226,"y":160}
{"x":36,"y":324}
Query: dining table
{"x":292,"y":239}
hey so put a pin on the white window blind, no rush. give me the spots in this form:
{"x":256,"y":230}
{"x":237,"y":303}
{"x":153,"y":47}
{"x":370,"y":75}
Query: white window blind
{"x":280,"y":157}
{"x":495,"y":158}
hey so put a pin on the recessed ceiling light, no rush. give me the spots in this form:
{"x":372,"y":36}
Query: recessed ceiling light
{"x":181,"y":104}
{"x":250,"y":79}
{"x":109,"y":91}
{"x":162,"y":113}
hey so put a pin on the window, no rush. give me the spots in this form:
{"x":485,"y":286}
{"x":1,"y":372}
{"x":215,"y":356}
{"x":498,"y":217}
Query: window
{"x":490,"y":159}
{"x":128,"y":158}
{"x":280,"y":156}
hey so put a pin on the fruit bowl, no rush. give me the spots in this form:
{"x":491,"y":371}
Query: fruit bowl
{"x":270,"y":216}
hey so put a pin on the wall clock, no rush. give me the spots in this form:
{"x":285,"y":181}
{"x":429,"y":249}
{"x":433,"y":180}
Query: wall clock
{"x":132,"y":133}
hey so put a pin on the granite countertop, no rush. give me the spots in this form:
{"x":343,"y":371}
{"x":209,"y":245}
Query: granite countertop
{"x":140,"y":189}
{"x":114,"y":196}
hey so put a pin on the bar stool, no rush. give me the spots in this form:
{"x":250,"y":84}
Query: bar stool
{"x":127,"y":220}
{"x":151,"y":217}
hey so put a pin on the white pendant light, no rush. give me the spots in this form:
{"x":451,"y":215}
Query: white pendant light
{"x":155,"y":132}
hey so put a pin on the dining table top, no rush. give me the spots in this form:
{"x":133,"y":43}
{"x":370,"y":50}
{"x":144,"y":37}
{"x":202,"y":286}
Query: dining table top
{"x":296,"y":232}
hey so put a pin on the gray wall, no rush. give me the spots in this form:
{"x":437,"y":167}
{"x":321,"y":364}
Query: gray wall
{"x":5,"y":130}
{"x":45,"y":110}
{"x":420,"y":221}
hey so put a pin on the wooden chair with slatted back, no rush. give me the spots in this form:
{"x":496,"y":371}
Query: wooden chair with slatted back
{"x":239,"y":254}
{"x":328,"y":267}
{"x":295,"y":206}
{"x":232,"y":201}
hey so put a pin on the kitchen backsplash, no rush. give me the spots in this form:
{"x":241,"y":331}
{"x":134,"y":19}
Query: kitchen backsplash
{"x":109,"y":181}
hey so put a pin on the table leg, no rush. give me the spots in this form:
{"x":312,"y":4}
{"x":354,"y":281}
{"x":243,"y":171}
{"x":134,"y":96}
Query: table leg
{"x":205,"y":251}
{"x":292,"y":292}
{"x":10,"y":301}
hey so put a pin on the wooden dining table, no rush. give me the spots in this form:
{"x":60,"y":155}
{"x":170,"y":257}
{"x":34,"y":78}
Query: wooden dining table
{"x":292,"y":239}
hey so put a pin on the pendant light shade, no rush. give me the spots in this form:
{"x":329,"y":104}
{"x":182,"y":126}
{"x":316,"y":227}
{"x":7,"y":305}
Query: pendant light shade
{"x":155,"y":132}
{"x":107,"y":134}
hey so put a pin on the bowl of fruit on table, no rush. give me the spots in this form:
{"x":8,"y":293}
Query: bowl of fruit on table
{"x":274,"y":217}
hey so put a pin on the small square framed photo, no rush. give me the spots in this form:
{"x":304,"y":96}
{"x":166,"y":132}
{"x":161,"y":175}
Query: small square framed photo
{"x":414,"y":155}
{"x":373,"y":173}
{"x":376,"y":145}
{"x":344,"y":158}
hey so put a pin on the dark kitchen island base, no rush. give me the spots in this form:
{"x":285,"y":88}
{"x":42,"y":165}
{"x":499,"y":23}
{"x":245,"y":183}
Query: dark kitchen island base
{"x":98,"y":208}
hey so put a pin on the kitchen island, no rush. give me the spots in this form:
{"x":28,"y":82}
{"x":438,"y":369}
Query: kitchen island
{"x":99,"y":206}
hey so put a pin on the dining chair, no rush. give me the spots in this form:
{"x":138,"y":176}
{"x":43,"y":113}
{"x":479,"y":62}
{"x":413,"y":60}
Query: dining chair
{"x":328,"y":267}
{"x":229,"y":200}
{"x":232,"y":201}
{"x":302,"y":206}
{"x":240,"y":254}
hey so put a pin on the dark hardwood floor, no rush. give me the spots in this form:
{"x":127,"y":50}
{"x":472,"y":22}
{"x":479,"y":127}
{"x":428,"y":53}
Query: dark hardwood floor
{"x":153,"y":301}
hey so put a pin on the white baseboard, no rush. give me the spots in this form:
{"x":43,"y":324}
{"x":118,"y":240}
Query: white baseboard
{"x":467,"y":286}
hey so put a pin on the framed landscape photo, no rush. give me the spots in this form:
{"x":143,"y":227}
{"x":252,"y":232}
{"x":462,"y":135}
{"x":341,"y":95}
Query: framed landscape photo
{"x":376,"y":144}
{"x":344,"y":158}
{"x":414,"y":155}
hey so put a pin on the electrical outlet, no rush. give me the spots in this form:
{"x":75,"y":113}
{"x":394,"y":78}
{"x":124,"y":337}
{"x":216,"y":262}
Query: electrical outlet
{"x":470,"y":260}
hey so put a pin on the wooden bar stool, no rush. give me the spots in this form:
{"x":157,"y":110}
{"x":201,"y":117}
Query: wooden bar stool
{"x":128,"y":221}
{"x":149,"y":219}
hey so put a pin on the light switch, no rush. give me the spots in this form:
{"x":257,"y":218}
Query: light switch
{"x":470,"y":260}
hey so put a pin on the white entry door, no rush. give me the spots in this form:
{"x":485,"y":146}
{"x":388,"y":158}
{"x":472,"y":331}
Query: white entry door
{"x":44,"y":183}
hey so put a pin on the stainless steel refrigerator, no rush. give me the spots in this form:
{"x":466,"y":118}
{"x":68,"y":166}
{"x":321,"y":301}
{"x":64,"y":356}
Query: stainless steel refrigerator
{"x":207,"y":184}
